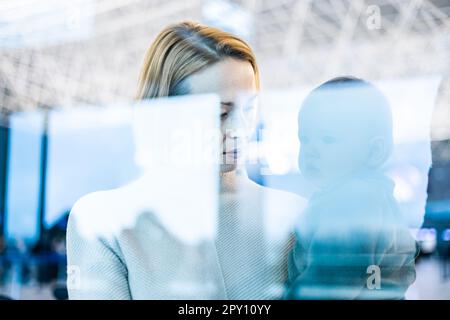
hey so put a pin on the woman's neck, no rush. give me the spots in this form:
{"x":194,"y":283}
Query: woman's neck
{"x":232,"y":181}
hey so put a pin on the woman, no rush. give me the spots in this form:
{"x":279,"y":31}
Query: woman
{"x":247,"y":258}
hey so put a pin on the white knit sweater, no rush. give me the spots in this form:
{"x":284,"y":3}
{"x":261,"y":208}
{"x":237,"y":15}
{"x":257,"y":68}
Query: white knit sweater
{"x":119,"y":248}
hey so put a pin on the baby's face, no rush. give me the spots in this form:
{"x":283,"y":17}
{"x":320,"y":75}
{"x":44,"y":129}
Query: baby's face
{"x":333,"y":143}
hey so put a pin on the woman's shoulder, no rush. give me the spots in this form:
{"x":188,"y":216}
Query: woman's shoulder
{"x":97,"y":203}
{"x":144,"y":202}
{"x":103,"y":213}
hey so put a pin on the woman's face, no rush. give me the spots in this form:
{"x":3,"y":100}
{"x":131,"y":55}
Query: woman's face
{"x":234,"y":81}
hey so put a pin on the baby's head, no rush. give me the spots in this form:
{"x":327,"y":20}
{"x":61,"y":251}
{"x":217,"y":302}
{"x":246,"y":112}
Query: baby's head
{"x":345,"y":126}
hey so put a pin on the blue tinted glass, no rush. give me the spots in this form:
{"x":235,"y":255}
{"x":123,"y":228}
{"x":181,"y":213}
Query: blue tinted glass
{"x":88,"y":150}
{"x":23,"y":176}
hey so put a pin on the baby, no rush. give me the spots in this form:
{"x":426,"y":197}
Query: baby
{"x":351,"y":241}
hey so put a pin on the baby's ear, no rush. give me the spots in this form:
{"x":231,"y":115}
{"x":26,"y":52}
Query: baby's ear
{"x":378,"y":152}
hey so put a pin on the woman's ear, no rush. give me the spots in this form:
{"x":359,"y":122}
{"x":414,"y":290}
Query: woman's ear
{"x":378,"y":152}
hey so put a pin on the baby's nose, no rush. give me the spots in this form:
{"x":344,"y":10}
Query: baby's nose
{"x":311,"y":152}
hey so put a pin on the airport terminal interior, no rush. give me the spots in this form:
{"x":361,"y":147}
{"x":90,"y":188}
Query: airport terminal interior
{"x":70,"y":126}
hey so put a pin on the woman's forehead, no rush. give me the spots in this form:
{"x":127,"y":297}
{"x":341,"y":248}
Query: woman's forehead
{"x":228,"y":78}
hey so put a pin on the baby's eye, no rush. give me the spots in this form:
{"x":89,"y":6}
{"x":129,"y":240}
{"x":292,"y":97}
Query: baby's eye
{"x":328,"y":139}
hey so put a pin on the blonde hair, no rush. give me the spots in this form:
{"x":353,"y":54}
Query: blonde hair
{"x":182,"y":49}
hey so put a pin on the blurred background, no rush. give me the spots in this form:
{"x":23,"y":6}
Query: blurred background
{"x":57,"y":57}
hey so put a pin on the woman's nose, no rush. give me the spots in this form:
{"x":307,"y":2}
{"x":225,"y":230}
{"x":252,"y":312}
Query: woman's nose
{"x":236,"y":119}
{"x":230,"y":139}
{"x":232,"y":133}
{"x":234,"y":126}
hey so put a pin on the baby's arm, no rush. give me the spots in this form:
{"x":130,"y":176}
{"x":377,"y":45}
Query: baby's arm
{"x":336,"y":268}
{"x":343,"y":236}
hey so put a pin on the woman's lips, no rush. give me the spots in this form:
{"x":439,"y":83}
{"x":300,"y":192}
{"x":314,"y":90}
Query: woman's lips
{"x":236,"y":151}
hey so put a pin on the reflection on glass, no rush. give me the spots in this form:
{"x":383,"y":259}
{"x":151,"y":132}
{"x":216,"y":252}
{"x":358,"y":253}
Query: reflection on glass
{"x":351,"y":241}
{"x":26,"y":131}
{"x":89,"y":149}
{"x":153,"y":238}
{"x":188,"y":228}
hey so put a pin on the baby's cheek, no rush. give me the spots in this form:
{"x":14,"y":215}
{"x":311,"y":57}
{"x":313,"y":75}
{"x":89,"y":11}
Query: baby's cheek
{"x":338,"y":159}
